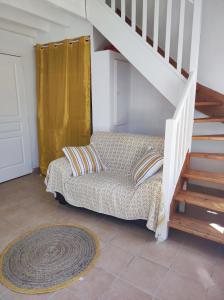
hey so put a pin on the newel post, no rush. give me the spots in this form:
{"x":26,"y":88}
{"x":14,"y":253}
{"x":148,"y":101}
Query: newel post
{"x":195,"y":49}
{"x":196,"y":34}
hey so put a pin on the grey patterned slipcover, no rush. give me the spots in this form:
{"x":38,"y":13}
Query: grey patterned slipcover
{"x":112,"y":191}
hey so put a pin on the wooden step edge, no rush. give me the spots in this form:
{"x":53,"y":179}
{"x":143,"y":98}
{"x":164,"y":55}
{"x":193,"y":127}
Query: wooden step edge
{"x":207,"y":103}
{"x":198,"y":227}
{"x":218,"y":137}
{"x":215,"y":156}
{"x":201,"y":200}
{"x":209,"y":120}
{"x":213,"y":177}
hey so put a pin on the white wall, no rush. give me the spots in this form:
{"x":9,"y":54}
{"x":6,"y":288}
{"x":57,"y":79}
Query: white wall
{"x":211,"y":62}
{"x":16,"y":44}
{"x":148,"y":109}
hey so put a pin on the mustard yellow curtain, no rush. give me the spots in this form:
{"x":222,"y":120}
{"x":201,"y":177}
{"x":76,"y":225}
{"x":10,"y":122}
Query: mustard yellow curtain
{"x":63,"y":90}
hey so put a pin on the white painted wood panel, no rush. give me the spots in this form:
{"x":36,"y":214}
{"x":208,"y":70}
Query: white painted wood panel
{"x":121,"y":91}
{"x":181,"y":36}
{"x":144,"y":19}
{"x":123,"y":9}
{"x":168,"y":29}
{"x":156,"y":25}
{"x":133,"y":14}
{"x":15,"y":152}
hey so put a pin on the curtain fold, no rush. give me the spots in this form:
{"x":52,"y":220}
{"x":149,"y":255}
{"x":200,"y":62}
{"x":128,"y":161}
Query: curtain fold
{"x":64,"y":104}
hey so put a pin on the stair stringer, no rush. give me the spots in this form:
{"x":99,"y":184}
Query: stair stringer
{"x":138,"y":52}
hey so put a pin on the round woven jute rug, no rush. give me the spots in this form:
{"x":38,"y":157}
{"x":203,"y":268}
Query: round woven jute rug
{"x":48,"y":258}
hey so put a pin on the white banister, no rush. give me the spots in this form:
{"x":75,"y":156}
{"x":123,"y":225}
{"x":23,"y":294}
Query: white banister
{"x":133,"y":14}
{"x":168,"y":29}
{"x":178,"y":140}
{"x":177,"y":43}
{"x":196,"y":33}
{"x":113,"y":5}
{"x":181,"y":35}
{"x":156,"y":25}
{"x":123,"y":10}
{"x":144,"y":19}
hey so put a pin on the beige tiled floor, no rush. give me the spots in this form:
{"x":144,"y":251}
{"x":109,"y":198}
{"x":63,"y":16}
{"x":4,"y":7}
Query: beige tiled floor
{"x":132,"y":266}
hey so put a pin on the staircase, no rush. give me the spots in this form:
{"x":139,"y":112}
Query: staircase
{"x":210,"y":223}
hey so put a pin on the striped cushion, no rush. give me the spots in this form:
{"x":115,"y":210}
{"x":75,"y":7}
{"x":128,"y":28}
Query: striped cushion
{"x":147,"y":166}
{"x":83,"y":160}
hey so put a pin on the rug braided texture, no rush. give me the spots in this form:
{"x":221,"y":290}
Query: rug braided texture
{"x":48,"y":257}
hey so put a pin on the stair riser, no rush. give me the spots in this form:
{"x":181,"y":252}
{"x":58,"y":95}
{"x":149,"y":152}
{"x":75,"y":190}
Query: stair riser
{"x":207,"y":156}
{"x":205,"y":138}
{"x":206,"y":204}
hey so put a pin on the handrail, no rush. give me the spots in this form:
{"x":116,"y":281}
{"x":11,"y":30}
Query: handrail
{"x":178,"y":139}
{"x":191,"y":79}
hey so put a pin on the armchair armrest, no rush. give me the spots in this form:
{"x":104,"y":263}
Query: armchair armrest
{"x":58,"y":173}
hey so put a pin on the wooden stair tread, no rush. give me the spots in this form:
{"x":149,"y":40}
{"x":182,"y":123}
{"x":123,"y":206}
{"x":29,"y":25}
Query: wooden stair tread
{"x":204,"y":176}
{"x":207,"y":103}
{"x":201,"y":200}
{"x":214,"y":137}
{"x":211,"y":231}
{"x":209,"y":120}
{"x":216,"y":156}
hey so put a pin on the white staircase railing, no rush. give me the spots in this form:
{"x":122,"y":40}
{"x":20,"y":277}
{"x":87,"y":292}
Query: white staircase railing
{"x":178,"y":135}
{"x":177,"y":144}
{"x":128,"y":8}
{"x":109,"y":18}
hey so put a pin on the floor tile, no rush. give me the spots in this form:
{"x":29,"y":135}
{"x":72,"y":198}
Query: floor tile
{"x":133,"y":239}
{"x":93,"y":285}
{"x":64,"y":294}
{"x":144,"y":274}
{"x":204,"y":248}
{"x":178,"y":287}
{"x":121,"y":290}
{"x":195,"y":266}
{"x":161,"y":253}
{"x":218,"y":275}
{"x":215,"y":293}
{"x":8,"y":232}
{"x":113,"y":259}
{"x":16,"y":296}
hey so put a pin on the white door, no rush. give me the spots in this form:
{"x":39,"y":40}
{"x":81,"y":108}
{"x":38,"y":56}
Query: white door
{"x":15,"y":154}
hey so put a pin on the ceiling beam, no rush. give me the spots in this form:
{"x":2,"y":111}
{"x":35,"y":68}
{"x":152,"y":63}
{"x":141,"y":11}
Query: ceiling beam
{"x":76,"y":7}
{"x":17,"y":28}
{"x":20,"y":17}
{"x":42,"y":9}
